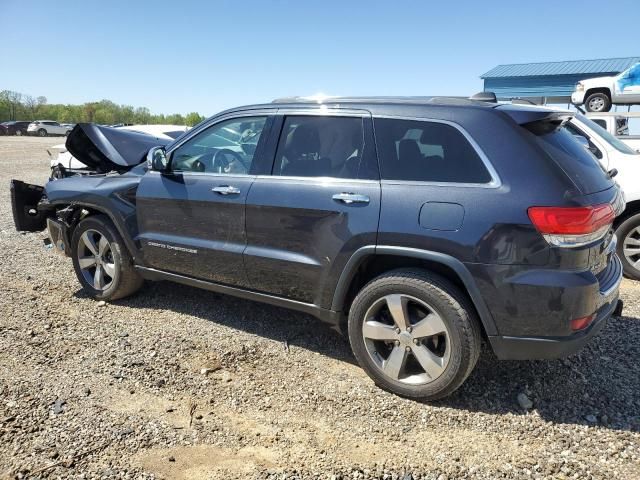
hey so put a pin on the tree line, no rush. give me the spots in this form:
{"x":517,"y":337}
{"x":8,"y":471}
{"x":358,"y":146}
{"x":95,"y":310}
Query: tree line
{"x":17,"y":106}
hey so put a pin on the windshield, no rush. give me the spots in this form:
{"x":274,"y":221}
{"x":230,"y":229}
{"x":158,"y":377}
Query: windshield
{"x":616,"y":143}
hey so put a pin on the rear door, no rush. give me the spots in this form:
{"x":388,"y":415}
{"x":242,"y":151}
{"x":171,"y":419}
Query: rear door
{"x":192,"y":219}
{"x":316,"y":205}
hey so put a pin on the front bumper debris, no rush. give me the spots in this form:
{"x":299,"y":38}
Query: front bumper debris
{"x":29,"y":206}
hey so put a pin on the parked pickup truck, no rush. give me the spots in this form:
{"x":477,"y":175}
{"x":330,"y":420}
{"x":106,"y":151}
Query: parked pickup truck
{"x":614,"y":154}
{"x":598,"y":94}
{"x":617,"y":124}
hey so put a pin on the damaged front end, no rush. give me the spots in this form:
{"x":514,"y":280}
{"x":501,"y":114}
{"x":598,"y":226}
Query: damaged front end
{"x":32,"y":212}
{"x":111,"y":156}
{"x":30,"y":206}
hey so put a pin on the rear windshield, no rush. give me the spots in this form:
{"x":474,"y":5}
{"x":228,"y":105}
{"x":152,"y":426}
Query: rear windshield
{"x":578,"y":163}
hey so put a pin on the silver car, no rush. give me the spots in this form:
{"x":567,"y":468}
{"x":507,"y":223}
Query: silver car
{"x":42,"y":128}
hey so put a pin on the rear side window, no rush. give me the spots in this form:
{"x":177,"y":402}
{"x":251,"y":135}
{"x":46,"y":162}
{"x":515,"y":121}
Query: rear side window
{"x":579,"y":164}
{"x":426,"y":151}
{"x":318,"y":146}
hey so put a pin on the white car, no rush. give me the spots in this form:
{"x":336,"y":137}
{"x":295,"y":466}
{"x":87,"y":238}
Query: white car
{"x":617,"y":124}
{"x":65,"y":164}
{"x":614,"y":154}
{"x":598,"y":94}
{"x":43,"y":128}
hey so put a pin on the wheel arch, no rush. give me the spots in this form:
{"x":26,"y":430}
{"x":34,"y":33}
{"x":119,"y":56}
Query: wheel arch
{"x":632,"y":208}
{"x":591,"y":91}
{"x":74,"y":216}
{"x":370,"y":261}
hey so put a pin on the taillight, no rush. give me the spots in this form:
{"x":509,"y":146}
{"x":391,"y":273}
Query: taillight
{"x":572,"y":226}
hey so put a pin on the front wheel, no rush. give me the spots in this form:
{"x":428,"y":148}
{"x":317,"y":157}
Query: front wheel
{"x":598,"y":102}
{"x":42,"y":132}
{"x":19,"y":133}
{"x":628,"y":234}
{"x":102,"y":262}
{"x":415,"y":334}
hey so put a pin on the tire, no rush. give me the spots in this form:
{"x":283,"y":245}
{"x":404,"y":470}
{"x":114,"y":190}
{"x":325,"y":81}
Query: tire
{"x":598,"y":102}
{"x":42,"y":132}
{"x":628,"y":249}
{"x":119,"y":276}
{"x":450,"y":356}
{"x":18,"y":133}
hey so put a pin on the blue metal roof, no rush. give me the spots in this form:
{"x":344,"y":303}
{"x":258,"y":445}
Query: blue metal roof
{"x":574,"y":67}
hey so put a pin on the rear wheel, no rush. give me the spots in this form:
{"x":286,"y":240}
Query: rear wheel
{"x":101,"y":261}
{"x":42,"y":132}
{"x":628,"y":234}
{"x":19,"y":133}
{"x":598,"y":102}
{"x":414,"y":333}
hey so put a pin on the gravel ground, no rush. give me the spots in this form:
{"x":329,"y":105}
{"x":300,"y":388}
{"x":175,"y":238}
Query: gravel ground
{"x":180,"y":383}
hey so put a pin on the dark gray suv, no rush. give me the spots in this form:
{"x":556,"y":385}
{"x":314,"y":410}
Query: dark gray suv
{"x":422,"y":226}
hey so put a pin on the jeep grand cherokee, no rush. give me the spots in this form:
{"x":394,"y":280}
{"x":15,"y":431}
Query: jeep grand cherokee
{"x":421,"y":225}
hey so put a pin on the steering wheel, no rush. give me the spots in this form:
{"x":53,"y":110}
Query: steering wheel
{"x":221,"y":164}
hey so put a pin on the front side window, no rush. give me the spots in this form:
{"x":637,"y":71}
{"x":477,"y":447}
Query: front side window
{"x":318,"y":146}
{"x":424,"y":151}
{"x":226,"y":147}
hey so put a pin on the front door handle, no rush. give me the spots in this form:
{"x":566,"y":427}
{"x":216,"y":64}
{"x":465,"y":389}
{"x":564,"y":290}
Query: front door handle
{"x":226,"y":190}
{"x":349,"y":198}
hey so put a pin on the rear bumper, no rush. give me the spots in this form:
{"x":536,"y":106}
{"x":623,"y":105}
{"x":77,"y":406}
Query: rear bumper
{"x":546,"y":348}
{"x":539,"y":347}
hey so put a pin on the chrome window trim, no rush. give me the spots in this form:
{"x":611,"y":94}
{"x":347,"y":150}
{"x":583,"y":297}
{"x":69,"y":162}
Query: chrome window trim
{"x":328,"y":180}
{"x":495,"y":182}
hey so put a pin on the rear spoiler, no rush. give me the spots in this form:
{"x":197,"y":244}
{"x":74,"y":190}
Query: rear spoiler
{"x":537,"y":120}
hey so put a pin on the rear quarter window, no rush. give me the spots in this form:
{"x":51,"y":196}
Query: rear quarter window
{"x":427,"y":151}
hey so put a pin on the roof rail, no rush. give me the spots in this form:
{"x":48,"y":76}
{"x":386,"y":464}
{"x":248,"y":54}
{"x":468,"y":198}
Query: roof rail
{"x":320,"y":99}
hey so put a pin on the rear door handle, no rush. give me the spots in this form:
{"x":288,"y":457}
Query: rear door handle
{"x":226,"y":190}
{"x":349,"y":198}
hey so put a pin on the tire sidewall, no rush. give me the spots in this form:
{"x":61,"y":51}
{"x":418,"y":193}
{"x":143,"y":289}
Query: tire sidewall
{"x":101,"y":226}
{"x":42,"y":132}
{"x":622,"y":231}
{"x":447,"y":312}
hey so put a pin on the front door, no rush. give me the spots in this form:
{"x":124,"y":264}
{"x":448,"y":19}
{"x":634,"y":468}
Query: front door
{"x":192,"y":219}
{"x":320,"y":203}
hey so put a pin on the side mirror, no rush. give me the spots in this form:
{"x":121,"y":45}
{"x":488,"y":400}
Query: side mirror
{"x":157,"y":159}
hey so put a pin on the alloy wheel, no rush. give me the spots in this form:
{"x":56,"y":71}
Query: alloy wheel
{"x":95,"y":258}
{"x":406,"y":339}
{"x":631,"y":248}
{"x":596,"y":104}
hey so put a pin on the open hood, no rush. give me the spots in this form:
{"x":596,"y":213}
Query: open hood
{"x":106,"y":149}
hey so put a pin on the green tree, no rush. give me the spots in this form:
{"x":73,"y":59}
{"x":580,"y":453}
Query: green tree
{"x":193,"y":118}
